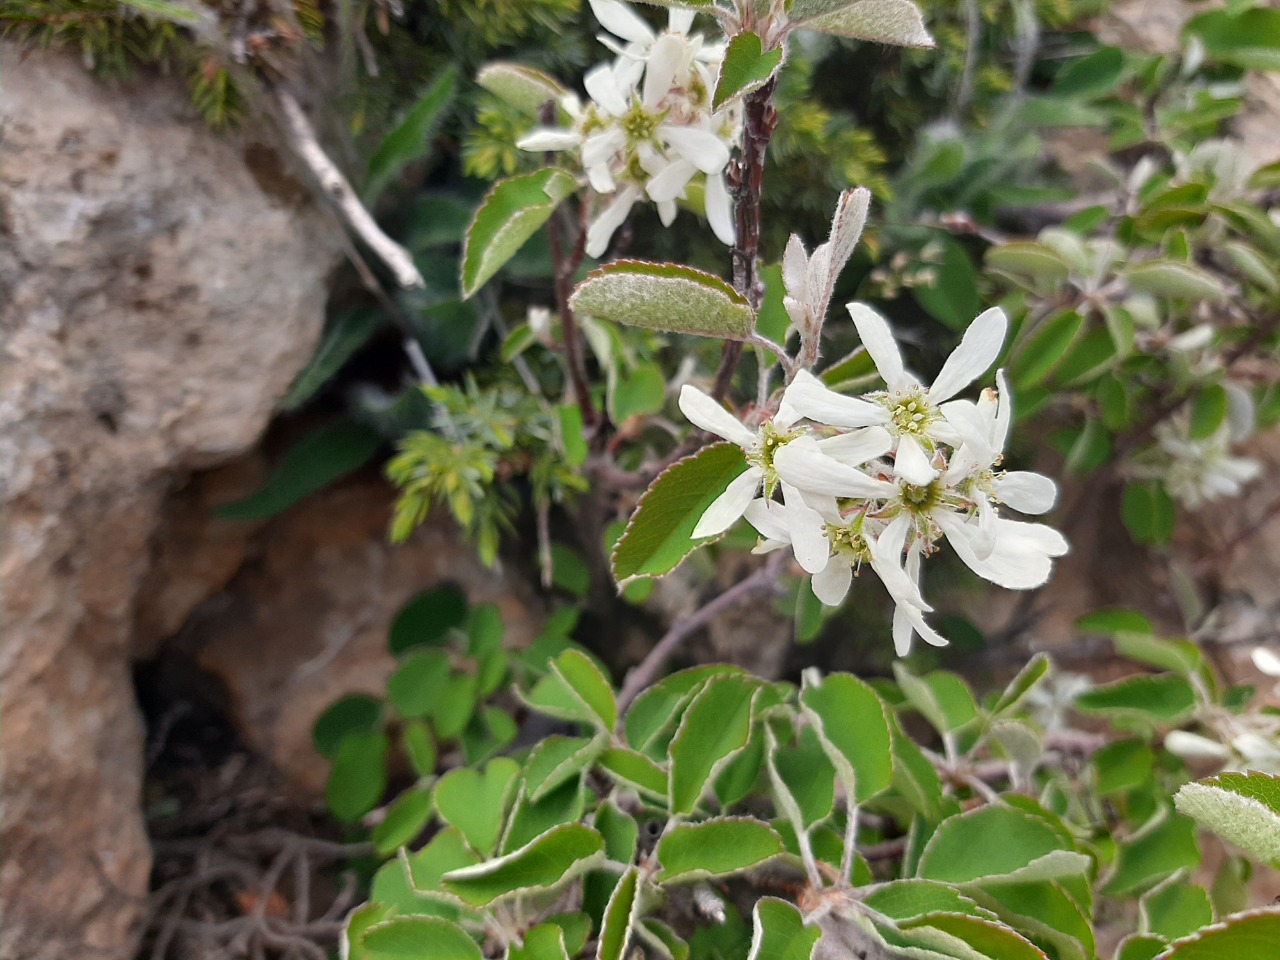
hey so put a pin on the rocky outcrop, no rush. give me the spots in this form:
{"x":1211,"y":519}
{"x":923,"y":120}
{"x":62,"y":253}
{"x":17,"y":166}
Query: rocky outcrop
{"x":163,"y":284}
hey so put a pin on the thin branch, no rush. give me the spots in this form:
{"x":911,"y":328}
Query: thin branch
{"x":762,"y":581}
{"x":307,"y":146}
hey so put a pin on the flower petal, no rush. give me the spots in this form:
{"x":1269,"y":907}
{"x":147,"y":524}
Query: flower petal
{"x":1266,"y":660}
{"x":886,"y":561}
{"x":669,"y":55}
{"x":719,"y":209}
{"x":702,"y":148}
{"x":545,"y":138}
{"x":813,"y":399}
{"x":603,"y":87}
{"x":858,"y":446}
{"x":705,"y":412}
{"x":1026,"y":492}
{"x":769,"y":518}
{"x":1021,"y":558}
{"x":831,"y":583}
{"x":978,"y":349}
{"x":622,"y":21}
{"x":670,"y":183}
{"x":911,"y":463}
{"x":679,"y":21}
{"x":609,"y":220}
{"x":730,"y":505}
{"x":807,"y":529}
{"x":667,"y":210}
{"x":877,"y":337}
{"x":803,"y":464}
{"x":1004,"y":412}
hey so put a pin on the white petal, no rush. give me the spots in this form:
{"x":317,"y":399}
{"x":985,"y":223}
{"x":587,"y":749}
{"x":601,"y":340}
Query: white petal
{"x":670,"y":183}
{"x":769,"y":518}
{"x":599,"y":148}
{"x":858,"y":446}
{"x":806,"y":526}
{"x":1004,"y":412}
{"x":667,"y":211}
{"x":1021,"y":559}
{"x":831,"y":583}
{"x":600,"y":178}
{"x":666,"y":60}
{"x":985,"y":542}
{"x":603,"y":87}
{"x":886,"y":560}
{"x":609,"y":220}
{"x":730,"y":505}
{"x":1026,"y":492}
{"x":679,"y":21}
{"x":705,"y":412}
{"x":912,"y":464}
{"x":1192,"y":746}
{"x":803,"y":464}
{"x":813,"y":399}
{"x":702,"y":148}
{"x":978,"y":349}
{"x":1266,"y":660}
{"x":719,"y":209}
{"x":877,"y":337}
{"x":973,"y":428}
{"x":545,"y":138}
{"x":621,"y":21}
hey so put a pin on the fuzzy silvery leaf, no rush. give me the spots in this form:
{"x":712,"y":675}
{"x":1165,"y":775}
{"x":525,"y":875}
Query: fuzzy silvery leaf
{"x":896,"y":22}
{"x":1243,"y":808}
{"x":664,"y":296}
{"x":522,"y":87}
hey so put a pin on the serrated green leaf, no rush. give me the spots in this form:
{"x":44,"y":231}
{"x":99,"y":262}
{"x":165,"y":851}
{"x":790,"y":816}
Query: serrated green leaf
{"x":1164,"y":845}
{"x":1163,"y":698}
{"x":476,"y":801}
{"x":1243,"y":808}
{"x":746,"y":67}
{"x":780,"y":933}
{"x":511,"y":213}
{"x":1170,"y":278}
{"x":404,"y":822}
{"x":896,"y":22}
{"x":664,"y":296}
{"x":408,"y":140}
{"x":620,"y":917}
{"x":990,"y":938}
{"x":1176,"y":909}
{"x":359,"y":775}
{"x":557,"y":759}
{"x":991,"y":841}
{"x":584,"y":680}
{"x":326,"y":454}
{"x":522,"y":87}
{"x":356,"y":713}
{"x":544,"y":863}
{"x":635,"y":770}
{"x":853,"y":728}
{"x":715,"y":727}
{"x":419,"y":938}
{"x":715,"y":848}
{"x":660,"y":533}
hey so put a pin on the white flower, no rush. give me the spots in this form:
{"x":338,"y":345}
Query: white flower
{"x":1195,"y":471}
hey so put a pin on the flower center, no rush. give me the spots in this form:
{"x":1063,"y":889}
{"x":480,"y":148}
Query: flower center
{"x":847,"y":541}
{"x":923,"y":499}
{"x":640,"y":125}
{"x":909,"y":412}
{"x":771,"y":440}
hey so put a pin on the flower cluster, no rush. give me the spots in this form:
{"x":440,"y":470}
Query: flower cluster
{"x":648,"y":128}
{"x":882,"y":479}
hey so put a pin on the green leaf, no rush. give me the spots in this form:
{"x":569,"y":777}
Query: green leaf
{"x":1208,"y":410}
{"x":1163,"y":846}
{"x":1250,"y":39}
{"x":522,"y":87}
{"x":1179,"y":656}
{"x":620,"y":916}
{"x":447,"y":851}
{"x":715,"y":727}
{"x":853,"y":728}
{"x":715,"y":848}
{"x":1148,"y":512}
{"x":573,"y":438}
{"x":326,"y":454}
{"x":543,"y":942}
{"x":404,"y":822}
{"x":941,"y":698}
{"x":660,"y":533}
{"x":915,"y":777}
{"x":556,"y":760}
{"x":990,"y":938}
{"x":1122,"y":765}
{"x":641,"y":392}
{"x":1140,"y":947}
{"x":408,"y":141}
{"x":746,"y":67}
{"x":1113,"y":621}
{"x":511,"y":213}
{"x":896,"y":22}
{"x":584,"y":680}
{"x":1176,"y":909}
{"x":554,"y":858}
{"x":419,"y":938}
{"x":635,"y":770}
{"x":1026,"y":260}
{"x":416,"y":686}
{"x":1037,"y":356}
{"x":1091,"y":356}
{"x":1163,"y":698}
{"x":953,"y":299}
{"x":1043,"y":910}
{"x":427,"y":619}
{"x":1242,"y":808}
{"x":991,"y":841}
{"x":1170,"y":278}
{"x":908,"y":899}
{"x":531,"y":819}
{"x":347,"y":333}
{"x":620,"y":832}
{"x":1245,"y":936}
{"x":164,"y":11}
{"x":455,"y":706}
{"x":658,"y":709}
{"x":1097,"y":74}
{"x":738,"y":777}
{"x":664,"y":296}
{"x":476,"y":802}
{"x":779,"y":932}
{"x":359,"y":775}
{"x":1028,"y":677}
{"x":808,"y":778}
{"x":356,"y":713}
{"x":419,"y":746}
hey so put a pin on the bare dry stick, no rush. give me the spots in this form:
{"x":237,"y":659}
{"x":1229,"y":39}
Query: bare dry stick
{"x":335,"y":186}
{"x":646,"y":671}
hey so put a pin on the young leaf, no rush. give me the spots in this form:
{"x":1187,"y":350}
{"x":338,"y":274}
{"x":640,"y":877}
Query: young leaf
{"x":989,"y":937}
{"x":1208,"y":410}
{"x":619,"y":918}
{"x":326,"y":454}
{"x":522,"y":87}
{"x":1163,"y":846}
{"x":1163,"y":698}
{"x":1170,"y":278}
{"x":510,"y":214}
{"x":408,"y":141}
{"x":419,"y":938}
{"x":896,"y":22}
{"x":356,"y":713}
{"x":427,"y":619}
{"x":530,"y":818}
{"x":746,"y":67}
{"x":543,"y":942}
{"x":715,"y":848}
{"x":1176,"y":909}
{"x":779,"y":932}
{"x":418,"y":683}
{"x":635,"y":770}
{"x":556,"y":760}
{"x":446,"y":851}
{"x":589,"y":686}
{"x":1243,"y":808}
{"x":406,"y":819}
{"x":1037,"y":669}
{"x":853,"y":727}
{"x":715,"y":727}
{"x":664,"y":296}
{"x":659,"y":534}
{"x":359,"y":775}
{"x":557,"y":856}
{"x":658,"y":709}
{"x":1028,"y":261}
{"x":476,"y":802}
{"x":908,"y":899}
{"x":419,"y":746}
